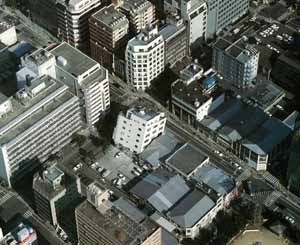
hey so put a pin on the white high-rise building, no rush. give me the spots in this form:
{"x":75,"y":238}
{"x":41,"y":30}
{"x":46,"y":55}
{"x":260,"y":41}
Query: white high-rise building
{"x":138,"y":127}
{"x":35,"y":123}
{"x":85,"y":77}
{"x":145,"y":58}
{"x":72,"y":21}
{"x":194,"y":12}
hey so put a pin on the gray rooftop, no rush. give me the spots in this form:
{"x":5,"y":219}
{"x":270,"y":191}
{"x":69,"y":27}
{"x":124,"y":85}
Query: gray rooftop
{"x":142,"y":112}
{"x":129,"y":209}
{"x":135,"y":7}
{"x":215,"y":178}
{"x":111,"y":17}
{"x":77,"y":62}
{"x":186,"y":159}
{"x":265,"y":138}
{"x":191,"y":209}
{"x":114,"y":221}
{"x":161,"y":148}
{"x":40,"y":56}
{"x":28,"y":109}
{"x":161,"y":189}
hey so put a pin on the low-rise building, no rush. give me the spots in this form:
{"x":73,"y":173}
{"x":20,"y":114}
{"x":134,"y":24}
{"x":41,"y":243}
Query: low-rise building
{"x":195,"y":94}
{"x":138,"y":127}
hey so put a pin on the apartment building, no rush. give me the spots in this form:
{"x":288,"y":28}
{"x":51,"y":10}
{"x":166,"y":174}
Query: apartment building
{"x":145,"y":58}
{"x":138,"y":127}
{"x":108,"y":32}
{"x":236,"y":61}
{"x":72,"y":21}
{"x":194,"y":12}
{"x":22,"y":234}
{"x":140,"y":13}
{"x":222,"y":13}
{"x":102,"y":222}
{"x":35,"y":123}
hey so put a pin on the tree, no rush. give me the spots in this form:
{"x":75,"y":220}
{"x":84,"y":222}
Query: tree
{"x":78,"y":139}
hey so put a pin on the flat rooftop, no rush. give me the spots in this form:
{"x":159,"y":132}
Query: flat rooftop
{"x":111,"y":17}
{"x":113,"y":221}
{"x":186,"y":159}
{"x":142,"y":112}
{"x":12,"y":126}
{"x":40,"y":56}
{"x":77,"y":62}
{"x":135,"y":7}
{"x":4,"y":26}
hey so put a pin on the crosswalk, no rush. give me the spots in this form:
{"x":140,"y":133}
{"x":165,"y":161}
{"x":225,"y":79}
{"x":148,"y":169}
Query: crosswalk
{"x":5,"y":198}
{"x":27,"y":214}
{"x":272,"y":179}
{"x":260,"y":197}
{"x":272,"y":198}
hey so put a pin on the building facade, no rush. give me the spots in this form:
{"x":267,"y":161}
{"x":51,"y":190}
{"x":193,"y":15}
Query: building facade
{"x":145,"y":58}
{"x":72,"y":21}
{"x":235,"y":61}
{"x":222,"y":13}
{"x":38,"y":121}
{"x":137,"y":128}
{"x":22,"y":234}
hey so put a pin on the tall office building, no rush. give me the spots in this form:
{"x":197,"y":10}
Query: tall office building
{"x":138,"y":127}
{"x":194,"y":12}
{"x":86,"y":78}
{"x":102,"y":222}
{"x":35,"y":123}
{"x":236,"y":61}
{"x":44,"y":13}
{"x":72,"y":21}
{"x":56,"y":195}
{"x":108,"y":33}
{"x":145,"y":58}
{"x":222,"y":13}
{"x":140,"y":14}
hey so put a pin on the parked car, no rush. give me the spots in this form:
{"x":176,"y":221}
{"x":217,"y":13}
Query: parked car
{"x":118,"y":155}
{"x":106,"y":173}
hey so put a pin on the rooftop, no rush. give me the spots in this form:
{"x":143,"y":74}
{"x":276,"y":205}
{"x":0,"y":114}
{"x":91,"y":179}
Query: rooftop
{"x":186,"y":159}
{"x":40,"y":56}
{"x":268,"y":135}
{"x":215,"y":178}
{"x":120,"y":226}
{"x":191,"y":209}
{"x":142,"y":112}
{"x":27,"y":110}
{"x":111,"y":17}
{"x":73,"y":61}
{"x":4,"y":26}
{"x":161,"y":189}
{"x":135,"y":7}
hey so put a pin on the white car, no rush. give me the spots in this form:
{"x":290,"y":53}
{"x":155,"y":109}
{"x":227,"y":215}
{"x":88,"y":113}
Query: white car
{"x":120,"y":175}
{"x":106,"y":173}
{"x":117,"y":155}
{"x":94,"y":165}
{"x":221,"y":154}
{"x":100,"y":169}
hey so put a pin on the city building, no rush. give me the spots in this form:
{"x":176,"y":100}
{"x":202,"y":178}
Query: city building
{"x":195,"y":94}
{"x":194,"y":12}
{"x":108,"y":33}
{"x":145,"y":58}
{"x":54,"y":193}
{"x":140,"y":13}
{"x":138,"y":127}
{"x":8,"y":34}
{"x":177,"y":208}
{"x":86,"y":78}
{"x":72,"y":21}
{"x":236,"y":61}
{"x":100,"y":221}
{"x":36,"y":122}
{"x":22,"y":234}
{"x":221,"y":13}
{"x":40,"y":10}
{"x":175,"y":35}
